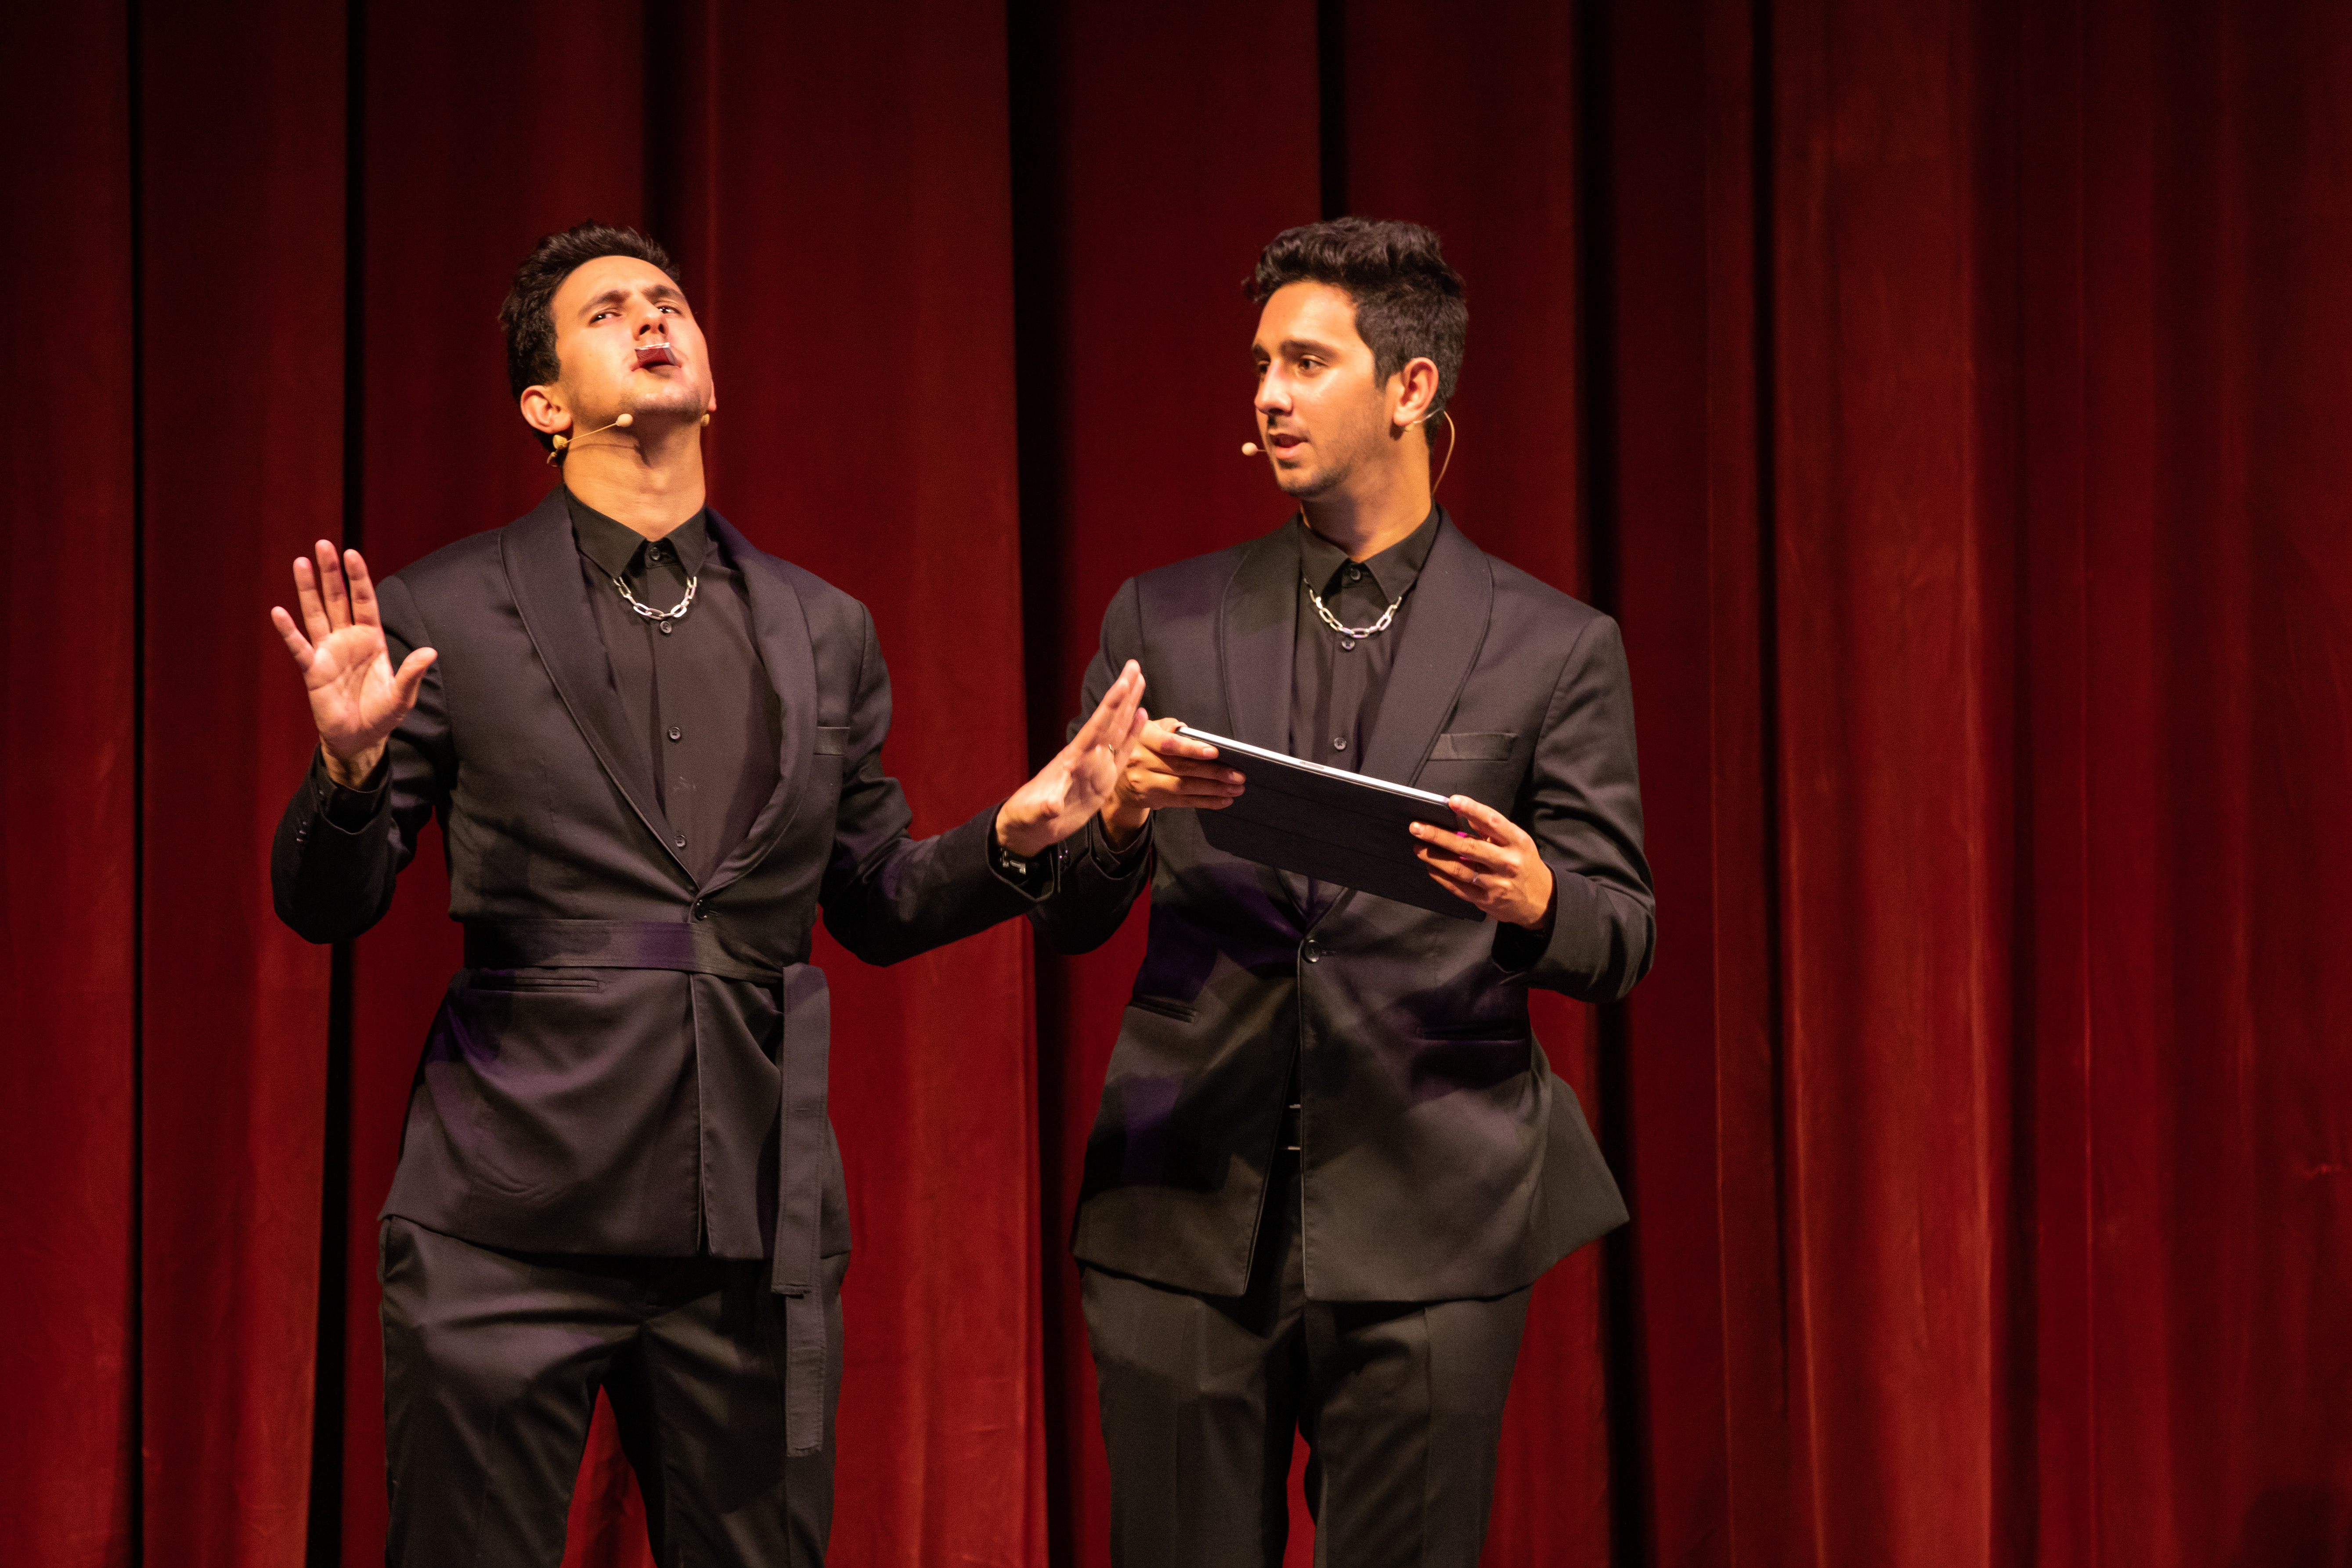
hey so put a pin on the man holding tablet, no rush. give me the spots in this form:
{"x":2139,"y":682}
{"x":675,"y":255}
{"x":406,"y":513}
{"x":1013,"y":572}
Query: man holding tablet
{"x":1332,"y":1158}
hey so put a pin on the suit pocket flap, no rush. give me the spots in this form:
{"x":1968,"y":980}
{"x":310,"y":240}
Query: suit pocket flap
{"x":1475,"y":746}
{"x":831,"y":739}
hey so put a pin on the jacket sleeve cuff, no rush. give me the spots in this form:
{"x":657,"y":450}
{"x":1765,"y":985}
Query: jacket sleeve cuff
{"x":1035,"y":877}
{"x":1118,"y":863}
{"x":351,"y":811}
{"x":1598,"y":946}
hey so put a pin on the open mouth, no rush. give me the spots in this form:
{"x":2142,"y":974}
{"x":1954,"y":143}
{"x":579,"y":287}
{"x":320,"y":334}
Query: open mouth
{"x":652,"y":354}
{"x":1284,"y":443}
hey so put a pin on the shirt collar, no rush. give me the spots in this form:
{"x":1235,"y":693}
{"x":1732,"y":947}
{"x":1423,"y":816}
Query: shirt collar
{"x":1394,"y":570}
{"x":614,"y":545}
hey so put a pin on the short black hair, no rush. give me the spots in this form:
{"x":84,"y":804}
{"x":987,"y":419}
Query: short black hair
{"x":1409,"y":303}
{"x":525,"y":315}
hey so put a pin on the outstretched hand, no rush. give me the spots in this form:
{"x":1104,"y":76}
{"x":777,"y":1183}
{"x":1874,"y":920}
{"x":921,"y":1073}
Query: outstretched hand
{"x":1492,"y":863}
{"x":1167,"y":770}
{"x":1074,"y":786}
{"x":357,"y":699}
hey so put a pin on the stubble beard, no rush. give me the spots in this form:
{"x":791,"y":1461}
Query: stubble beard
{"x":1320,"y":481}
{"x":680,"y":399}
{"x":1323,"y":480}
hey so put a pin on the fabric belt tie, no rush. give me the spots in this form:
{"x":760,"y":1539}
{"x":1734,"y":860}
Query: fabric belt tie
{"x":801,"y":1062}
{"x":702,"y":947}
{"x":694,"y":947}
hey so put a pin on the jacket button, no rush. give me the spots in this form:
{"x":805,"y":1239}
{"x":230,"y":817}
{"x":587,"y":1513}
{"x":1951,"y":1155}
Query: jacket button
{"x":680,"y":841}
{"x":1313,"y":953}
{"x":700,"y":912}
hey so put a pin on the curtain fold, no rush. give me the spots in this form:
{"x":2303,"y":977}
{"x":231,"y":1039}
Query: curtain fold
{"x":68,"y":858}
{"x":241,"y":266}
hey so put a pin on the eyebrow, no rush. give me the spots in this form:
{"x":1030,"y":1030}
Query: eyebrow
{"x":1299,"y":345}
{"x":615,"y":296}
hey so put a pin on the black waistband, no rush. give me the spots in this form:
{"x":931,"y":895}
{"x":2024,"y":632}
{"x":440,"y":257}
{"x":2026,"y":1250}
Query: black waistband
{"x":693,"y":947}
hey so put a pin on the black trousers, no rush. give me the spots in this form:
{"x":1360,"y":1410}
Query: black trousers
{"x":492,"y":1360}
{"x":1401,"y":1404}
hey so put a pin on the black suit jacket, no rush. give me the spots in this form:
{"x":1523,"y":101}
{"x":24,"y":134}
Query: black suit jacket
{"x":603,"y":1075}
{"x":1441,"y":1159}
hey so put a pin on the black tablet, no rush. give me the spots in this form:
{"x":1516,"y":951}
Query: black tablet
{"x":1333,"y":825}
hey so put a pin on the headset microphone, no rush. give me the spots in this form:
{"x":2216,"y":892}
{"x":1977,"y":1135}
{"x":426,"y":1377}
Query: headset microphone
{"x":1251,"y":448}
{"x":563,"y":442}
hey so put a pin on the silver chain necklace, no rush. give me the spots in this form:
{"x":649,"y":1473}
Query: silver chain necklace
{"x":676,"y":613}
{"x":1333,"y":621}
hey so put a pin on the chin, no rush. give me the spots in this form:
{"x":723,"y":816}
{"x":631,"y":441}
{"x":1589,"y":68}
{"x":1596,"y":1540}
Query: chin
{"x":682,"y":402}
{"x":1305,"y":486}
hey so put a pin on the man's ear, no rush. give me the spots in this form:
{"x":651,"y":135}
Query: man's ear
{"x":543,"y":410}
{"x":1412,"y":392}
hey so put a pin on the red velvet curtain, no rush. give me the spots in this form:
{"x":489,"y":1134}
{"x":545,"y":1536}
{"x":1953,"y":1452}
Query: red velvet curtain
{"x":1945,"y":396}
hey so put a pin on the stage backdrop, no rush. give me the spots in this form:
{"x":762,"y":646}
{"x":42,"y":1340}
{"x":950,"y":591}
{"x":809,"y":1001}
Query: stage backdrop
{"x":1949,"y":398}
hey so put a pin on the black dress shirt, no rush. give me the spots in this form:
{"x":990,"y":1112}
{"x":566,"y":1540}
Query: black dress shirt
{"x":1336,"y":681}
{"x":693,"y":686}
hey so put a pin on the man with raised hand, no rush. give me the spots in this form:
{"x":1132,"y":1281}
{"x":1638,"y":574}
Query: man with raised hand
{"x":1332,"y":1158}
{"x":657,"y":756}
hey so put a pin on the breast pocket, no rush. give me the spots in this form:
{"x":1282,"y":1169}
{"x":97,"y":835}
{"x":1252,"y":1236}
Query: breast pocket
{"x":1475,"y":746}
{"x":1480,"y":763}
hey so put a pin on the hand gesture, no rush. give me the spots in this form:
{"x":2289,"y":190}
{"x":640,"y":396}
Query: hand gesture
{"x":1167,"y":770}
{"x":356,"y":698}
{"x":1074,"y":786}
{"x":1491,"y":864}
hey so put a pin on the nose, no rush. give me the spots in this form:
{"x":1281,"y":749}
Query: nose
{"x":1273,"y":392}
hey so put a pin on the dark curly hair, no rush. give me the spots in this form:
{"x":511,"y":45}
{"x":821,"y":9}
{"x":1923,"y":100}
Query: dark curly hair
{"x":1409,"y":302}
{"x":524,"y":315}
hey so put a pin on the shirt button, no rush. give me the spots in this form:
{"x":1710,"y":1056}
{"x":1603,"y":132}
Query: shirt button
{"x":668,"y":627}
{"x":1355,"y":573}
{"x":1347,"y":645}
{"x":680,"y":841}
{"x":1339,"y":742}
{"x":675,"y":732}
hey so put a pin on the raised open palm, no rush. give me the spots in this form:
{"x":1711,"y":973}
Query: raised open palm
{"x":357,"y":699}
{"x":1074,"y":786}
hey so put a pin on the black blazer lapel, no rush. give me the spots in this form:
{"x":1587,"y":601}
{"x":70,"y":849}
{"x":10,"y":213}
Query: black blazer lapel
{"x":1257,"y":623}
{"x":1452,"y":600}
{"x":542,"y":567}
{"x":781,"y":627}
